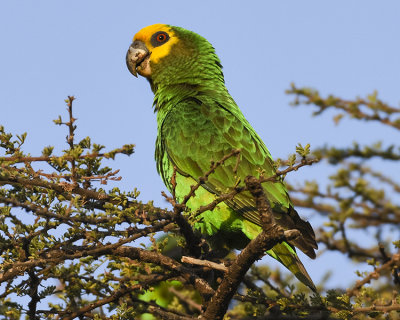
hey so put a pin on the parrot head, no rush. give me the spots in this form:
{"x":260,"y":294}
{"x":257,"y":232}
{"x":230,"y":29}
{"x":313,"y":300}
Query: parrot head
{"x":166,"y":54}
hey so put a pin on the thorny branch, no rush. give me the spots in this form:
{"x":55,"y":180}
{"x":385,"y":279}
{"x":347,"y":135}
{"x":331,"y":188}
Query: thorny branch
{"x":393,"y":263}
{"x":71,"y":136}
{"x":376,"y":110}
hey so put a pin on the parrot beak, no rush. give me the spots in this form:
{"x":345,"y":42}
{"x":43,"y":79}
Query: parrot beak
{"x":138,"y":59}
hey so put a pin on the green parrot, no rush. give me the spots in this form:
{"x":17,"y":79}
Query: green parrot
{"x":199,"y":122}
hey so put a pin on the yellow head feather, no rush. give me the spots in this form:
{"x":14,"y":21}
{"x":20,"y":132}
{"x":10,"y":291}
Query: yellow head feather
{"x":159,"y":52}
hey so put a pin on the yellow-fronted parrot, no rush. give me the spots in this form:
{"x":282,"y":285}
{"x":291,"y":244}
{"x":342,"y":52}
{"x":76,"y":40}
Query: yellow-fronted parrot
{"x":199,"y":122}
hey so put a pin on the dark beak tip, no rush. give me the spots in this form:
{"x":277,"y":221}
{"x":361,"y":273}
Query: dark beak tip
{"x":131,"y":68}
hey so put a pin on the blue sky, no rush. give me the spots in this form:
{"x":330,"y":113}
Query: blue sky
{"x":51,"y":49}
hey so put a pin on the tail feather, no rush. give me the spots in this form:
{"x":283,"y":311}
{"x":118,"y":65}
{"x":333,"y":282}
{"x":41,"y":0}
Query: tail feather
{"x":286,"y":255}
{"x":306,"y":242}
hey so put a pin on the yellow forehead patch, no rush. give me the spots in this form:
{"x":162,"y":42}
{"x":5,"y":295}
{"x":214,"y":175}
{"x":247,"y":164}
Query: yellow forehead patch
{"x":145,"y":35}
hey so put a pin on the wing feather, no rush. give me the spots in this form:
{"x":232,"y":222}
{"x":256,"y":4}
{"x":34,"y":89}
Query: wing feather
{"x":198,"y":131}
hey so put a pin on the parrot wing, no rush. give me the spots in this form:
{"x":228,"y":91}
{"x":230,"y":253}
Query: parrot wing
{"x":196,"y":132}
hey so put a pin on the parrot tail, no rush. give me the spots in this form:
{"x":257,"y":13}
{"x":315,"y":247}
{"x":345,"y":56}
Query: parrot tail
{"x":286,"y":255}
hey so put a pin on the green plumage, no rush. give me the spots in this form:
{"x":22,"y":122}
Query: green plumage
{"x":198,"y":121}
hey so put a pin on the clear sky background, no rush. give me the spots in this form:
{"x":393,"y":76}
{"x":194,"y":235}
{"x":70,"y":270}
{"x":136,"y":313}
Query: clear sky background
{"x":51,"y":49}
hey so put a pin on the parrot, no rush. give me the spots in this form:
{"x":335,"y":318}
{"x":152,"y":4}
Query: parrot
{"x":199,"y":122}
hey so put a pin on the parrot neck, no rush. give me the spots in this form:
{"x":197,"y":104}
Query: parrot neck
{"x":192,"y":75}
{"x":167,"y":96}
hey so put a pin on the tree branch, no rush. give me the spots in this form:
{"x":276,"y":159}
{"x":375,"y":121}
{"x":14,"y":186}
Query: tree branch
{"x":393,"y":262}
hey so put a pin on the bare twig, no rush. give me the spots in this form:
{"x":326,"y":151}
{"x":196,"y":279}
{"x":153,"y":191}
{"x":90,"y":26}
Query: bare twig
{"x":205,"y":263}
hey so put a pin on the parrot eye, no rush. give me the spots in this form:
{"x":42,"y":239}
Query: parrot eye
{"x":159,"y":38}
